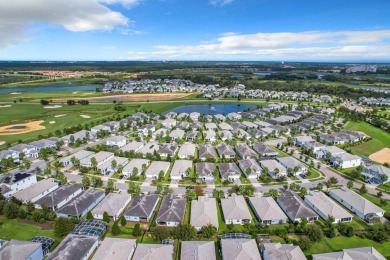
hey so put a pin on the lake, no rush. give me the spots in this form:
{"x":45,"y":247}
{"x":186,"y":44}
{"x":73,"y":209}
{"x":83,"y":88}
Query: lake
{"x":212,"y":109}
{"x":49,"y":88}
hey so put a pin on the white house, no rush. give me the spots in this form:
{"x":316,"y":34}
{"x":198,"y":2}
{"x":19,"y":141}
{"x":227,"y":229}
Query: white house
{"x":113,"y":204}
{"x":156,"y":167}
{"x":36,"y":191}
{"x":235,"y":210}
{"x":15,"y":182}
{"x":128,"y":170}
{"x":116,"y":141}
{"x":186,"y":151}
{"x":275,"y":169}
{"x":180,"y":169}
{"x":267,"y":210}
{"x":346,"y":160}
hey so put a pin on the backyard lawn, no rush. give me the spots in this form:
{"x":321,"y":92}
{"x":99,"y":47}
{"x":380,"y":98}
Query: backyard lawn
{"x":380,"y":139}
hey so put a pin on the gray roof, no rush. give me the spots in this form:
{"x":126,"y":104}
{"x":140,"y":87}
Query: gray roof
{"x":78,"y":155}
{"x":355,"y":200}
{"x":249,"y":164}
{"x":187,"y":149}
{"x":101,"y":156}
{"x":169,"y":149}
{"x":239,"y":249}
{"x":267,"y":208}
{"x":76,"y":206}
{"x":333,"y":150}
{"x":142,"y":205}
{"x":112,"y":203}
{"x":136,"y":163}
{"x":115,"y":249}
{"x":277,"y":251}
{"x":73,"y":247}
{"x":153,"y":252}
{"x":326,"y":205}
{"x":203,"y":212}
{"x":157,"y":166}
{"x":132,"y":146}
{"x":181,"y":166}
{"x":36,"y":189}
{"x":198,"y":250}
{"x":290,"y":162}
{"x":172,"y":209}
{"x":272,"y":165}
{"x":235,"y":207}
{"x":228,"y":169}
{"x":18,"y":250}
{"x":246,"y":151}
{"x":116,"y":138}
{"x":53,"y":199}
{"x":206,"y":151}
{"x":205,"y":168}
{"x":294,"y":206}
{"x":362,"y":253}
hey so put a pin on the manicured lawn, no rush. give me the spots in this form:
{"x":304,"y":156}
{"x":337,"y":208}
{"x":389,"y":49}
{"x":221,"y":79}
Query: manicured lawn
{"x":12,"y":229}
{"x":339,"y":243}
{"x":385,"y":187}
{"x":313,"y":174}
{"x":318,"y":248}
{"x":187,"y":214}
{"x":380,"y":139}
{"x":376,"y":201}
{"x":221,"y":223}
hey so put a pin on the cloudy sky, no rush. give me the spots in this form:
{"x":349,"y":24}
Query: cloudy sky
{"x":253,"y":30}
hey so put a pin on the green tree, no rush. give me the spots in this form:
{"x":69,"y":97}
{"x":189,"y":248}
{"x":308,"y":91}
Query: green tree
{"x":160,"y":234}
{"x":363,"y":189}
{"x":106,"y":217}
{"x":191,"y":195}
{"x":94,"y":163}
{"x":320,"y":186}
{"x":123,"y":221}
{"x":350,"y":184}
{"x":218,"y":194}
{"x":303,"y":191}
{"x":110,"y":186}
{"x":115,"y":230}
{"x":304,"y":243}
{"x":159,"y":188}
{"x":134,"y":188}
{"x":11,"y":210}
{"x":314,"y":233}
{"x":89,"y":215}
{"x":185,"y":232}
{"x":85,"y":181}
{"x":137,"y":230}
{"x":208,"y":231}
{"x":63,"y":226}
{"x":273,"y":193}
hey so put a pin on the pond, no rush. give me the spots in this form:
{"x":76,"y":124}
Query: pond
{"x":212,"y":109}
{"x":49,"y":88}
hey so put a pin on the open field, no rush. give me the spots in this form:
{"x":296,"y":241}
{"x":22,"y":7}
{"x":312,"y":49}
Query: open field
{"x":17,"y":130}
{"x":380,"y":139}
{"x":382,"y":156}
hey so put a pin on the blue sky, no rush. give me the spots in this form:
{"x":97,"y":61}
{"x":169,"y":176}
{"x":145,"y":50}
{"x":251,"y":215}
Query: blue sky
{"x":290,"y":30}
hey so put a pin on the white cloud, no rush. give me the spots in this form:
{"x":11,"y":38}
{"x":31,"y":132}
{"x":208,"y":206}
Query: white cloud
{"x":311,"y":44}
{"x":219,"y":3}
{"x":73,"y":15}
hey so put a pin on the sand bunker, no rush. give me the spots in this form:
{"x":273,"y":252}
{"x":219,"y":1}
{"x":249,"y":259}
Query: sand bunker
{"x":15,"y":93}
{"x":52,"y":122}
{"x":55,"y":106}
{"x":135,"y":97}
{"x":6,"y":106}
{"x":85,"y":116}
{"x":60,"y":115}
{"x":75,"y":92}
{"x":21,"y":128}
{"x":381,"y":156}
{"x":2,"y":142}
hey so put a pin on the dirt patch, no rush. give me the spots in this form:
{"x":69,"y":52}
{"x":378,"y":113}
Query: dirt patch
{"x":2,"y":142}
{"x":52,"y":122}
{"x":55,"y":106}
{"x":85,"y":116}
{"x":44,"y":226}
{"x":21,"y":128}
{"x":382,"y":156}
{"x":6,"y":106}
{"x":60,"y":115}
{"x":136,"y":97}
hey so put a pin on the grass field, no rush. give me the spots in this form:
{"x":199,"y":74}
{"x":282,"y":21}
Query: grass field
{"x":380,"y":139}
{"x":12,"y":229}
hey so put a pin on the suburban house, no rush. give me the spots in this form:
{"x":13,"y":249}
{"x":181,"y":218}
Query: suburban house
{"x":145,"y":130}
{"x":242,"y":248}
{"x":75,"y":247}
{"x":362,"y":207}
{"x":267,"y":210}
{"x":293,"y":164}
{"x":229,"y":171}
{"x":168,"y":149}
{"x":322,"y":154}
{"x":156,"y":167}
{"x":153,"y":251}
{"x":128,"y":170}
{"x":302,"y":140}
{"x":18,"y":249}
{"x":132,"y":146}
{"x":346,"y":160}
{"x":205,"y":171}
{"x":211,"y":126}
{"x":234,"y":116}
{"x":116,"y":141}
{"x":113,"y":125}
{"x":275,"y":169}
{"x":100,"y":157}
{"x":314,"y":146}
{"x":171,"y":212}
{"x":249,"y":125}
{"x":194,"y":116}
{"x":220,"y":117}
{"x":209,"y":135}
{"x":376,"y":174}
{"x":44,"y":144}
{"x":80,"y":135}
{"x":225,"y":135}
{"x":169,"y":123}
{"x":177,"y":134}
{"x":141,"y":208}
{"x":278,"y":251}
{"x":14,"y":182}
{"x":162,"y":132}
{"x":204,"y":212}
{"x":245,"y":152}
{"x":192,"y":135}
{"x":242,"y":134}
{"x":325,"y":207}
{"x":235,"y":210}
{"x":225,"y":126}
{"x":148,"y":148}
{"x":37,"y":190}
{"x":206,"y":152}
{"x":28,"y":150}
{"x":79,"y":206}
{"x":250,"y":168}
{"x":110,"y":166}
{"x":80,"y":155}
{"x":187,"y":151}
{"x":202,"y":250}
{"x":197,"y":126}
{"x":225,"y":151}
{"x":264,"y":150}
{"x":113,"y":204}
{"x":180,"y":169}
{"x":115,"y":248}
{"x":295,"y":208}
{"x":351,"y":253}
{"x":60,"y":196}
{"x":98,"y":128}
